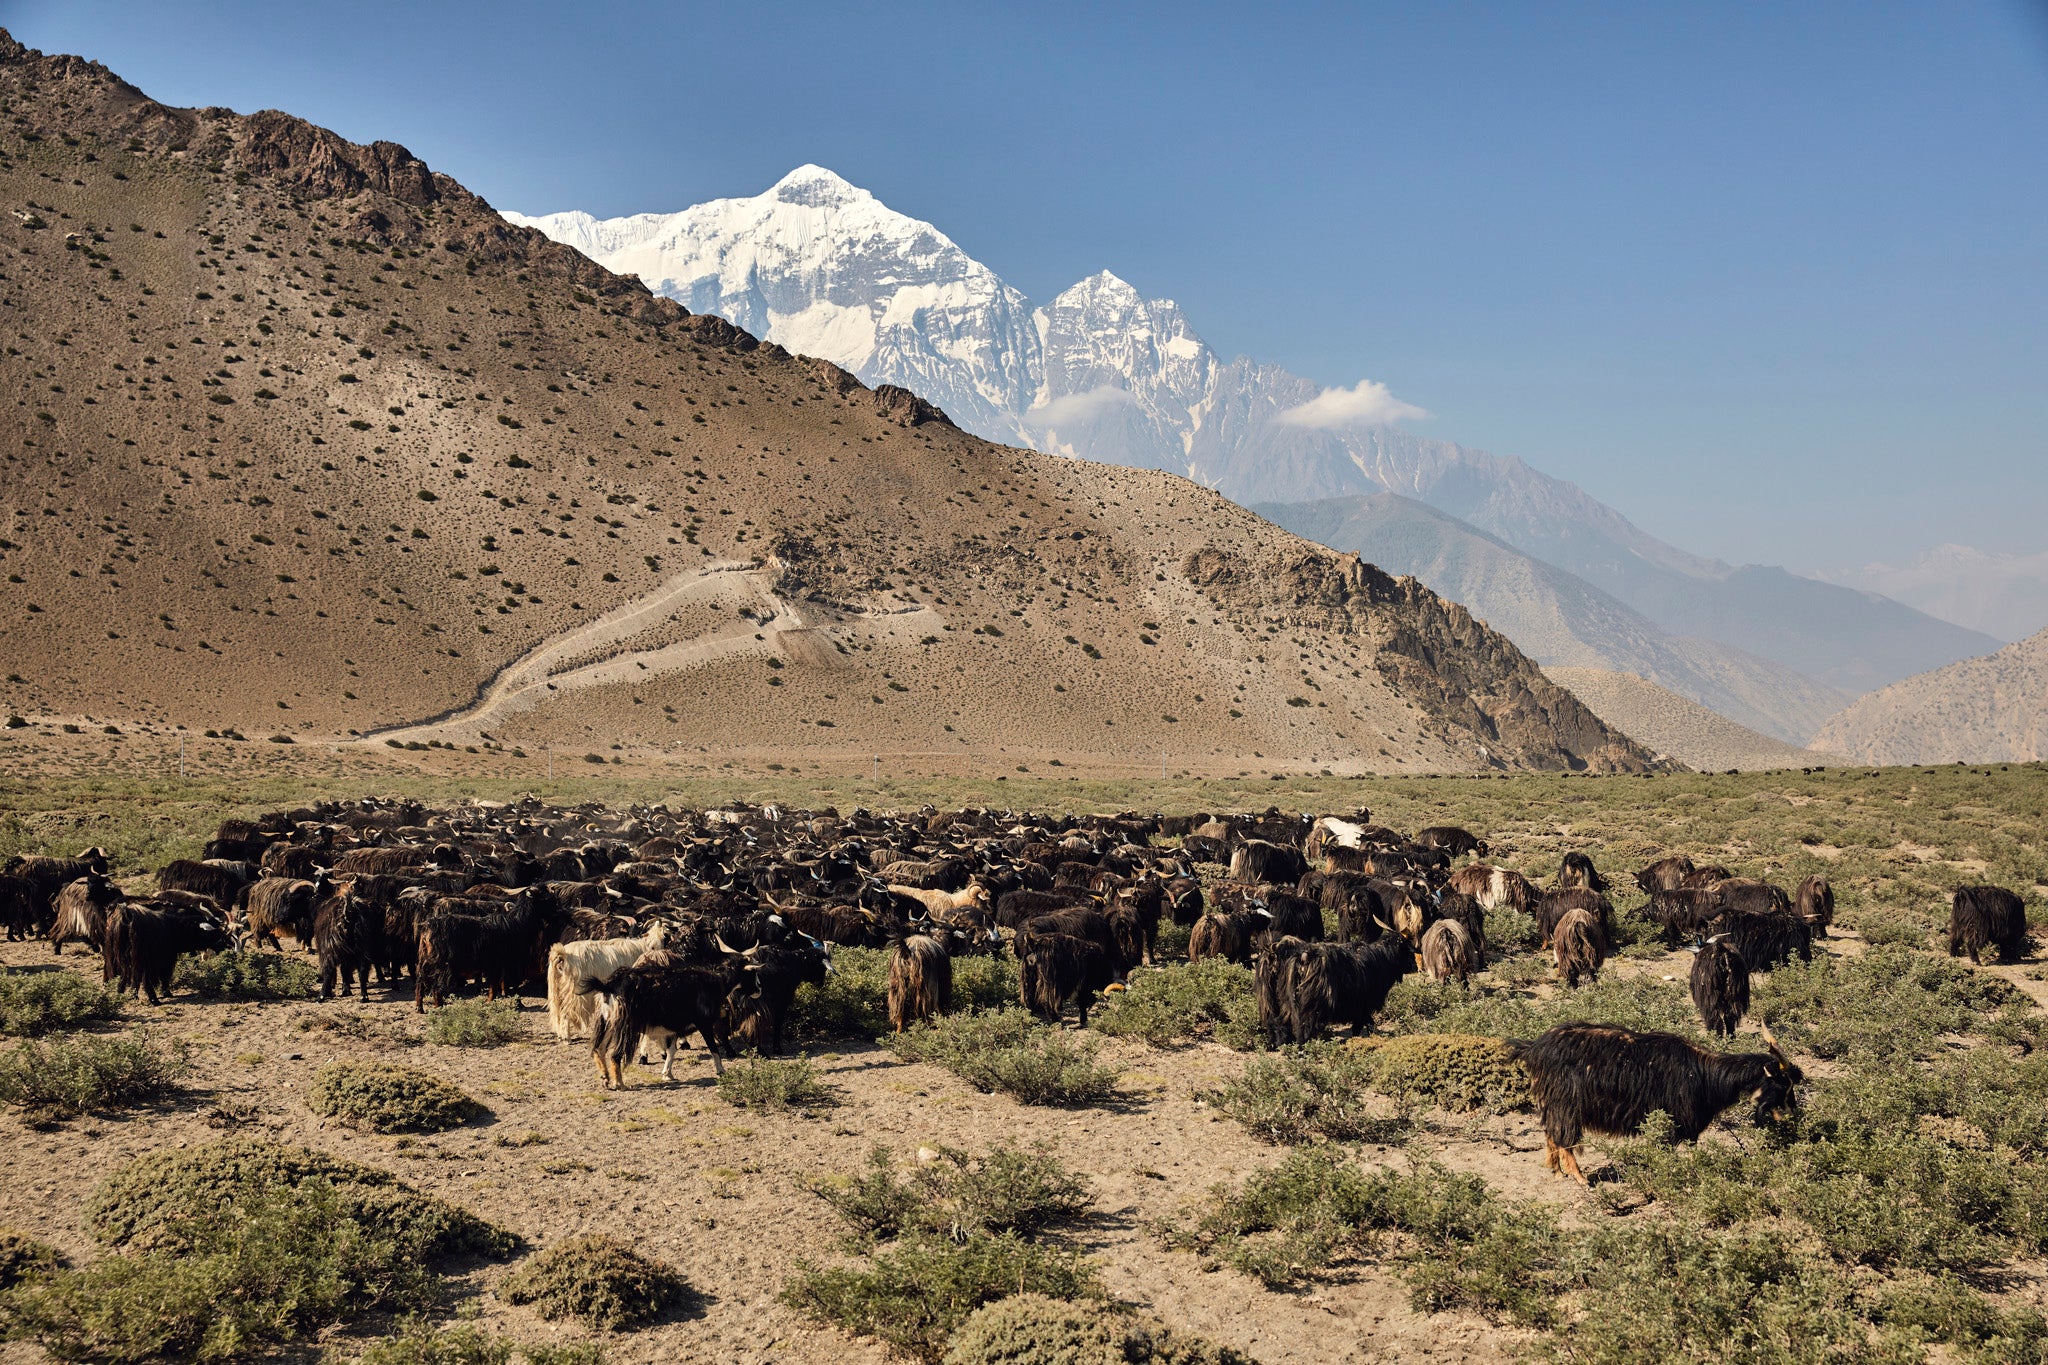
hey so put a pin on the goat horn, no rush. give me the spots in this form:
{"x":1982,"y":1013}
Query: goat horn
{"x":725,"y":947}
{"x":1769,"y":1041}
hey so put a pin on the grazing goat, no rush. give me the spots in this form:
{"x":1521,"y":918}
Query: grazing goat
{"x":920,"y":979}
{"x":1602,"y":1079}
{"x":571,"y":1012}
{"x":220,"y":881}
{"x":1815,"y":901}
{"x":1981,"y":917}
{"x":82,"y":911}
{"x":1666,"y":874}
{"x":1578,"y":870}
{"x":1256,"y":860}
{"x":1495,"y":888}
{"x":1766,"y":941}
{"x":1451,"y":840}
{"x":1720,"y":986}
{"x":758,"y":1010}
{"x":144,"y":940}
{"x":348,"y":937}
{"x":1469,"y":915}
{"x":24,"y":912}
{"x":1227,"y":934}
{"x":1448,"y":953}
{"x":661,"y":998}
{"x":941,"y":904}
{"x":1056,"y":968}
{"x":282,"y":905}
{"x":1748,"y":896}
{"x":1555,"y":905}
{"x":1682,"y":912}
{"x":1580,"y":947}
{"x":1306,"y":988}
{"x":504,"y":947}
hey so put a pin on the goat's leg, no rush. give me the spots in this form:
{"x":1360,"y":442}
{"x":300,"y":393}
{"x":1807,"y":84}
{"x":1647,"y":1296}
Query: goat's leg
{"x":1570,"y":1158}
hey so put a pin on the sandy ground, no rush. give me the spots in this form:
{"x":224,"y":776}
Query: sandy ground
{"x":720,"y":1192}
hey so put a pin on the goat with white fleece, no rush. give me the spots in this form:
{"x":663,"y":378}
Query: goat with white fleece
{"x":572,"y":1014}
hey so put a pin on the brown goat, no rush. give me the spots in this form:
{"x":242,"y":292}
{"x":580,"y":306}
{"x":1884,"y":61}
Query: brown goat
{"x":1580,"y":947}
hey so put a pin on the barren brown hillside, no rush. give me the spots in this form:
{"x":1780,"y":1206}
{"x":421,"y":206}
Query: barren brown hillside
{"x":303,"y":439}
{"x":1988,"y":710}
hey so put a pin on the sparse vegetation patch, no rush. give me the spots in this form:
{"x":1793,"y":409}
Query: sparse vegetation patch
{"x":1009,"y":1051}
{"x":390,"y":1099}
{"x":597,"y":1280}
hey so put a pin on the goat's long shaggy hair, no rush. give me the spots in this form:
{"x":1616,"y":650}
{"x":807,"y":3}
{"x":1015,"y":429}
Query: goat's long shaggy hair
{"x":1602,"y":1079}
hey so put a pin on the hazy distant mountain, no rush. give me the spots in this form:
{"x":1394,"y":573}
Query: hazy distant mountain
{"x":1988,"y":710}
{"x":1558,"y":618}
{"x":1102,"y":373}
{"x":2002,"y":595}
{"x":1678,"y":728}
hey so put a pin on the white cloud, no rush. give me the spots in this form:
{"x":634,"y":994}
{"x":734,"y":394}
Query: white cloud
{"x":1365,"y":404}
{"x":1074,"y":408}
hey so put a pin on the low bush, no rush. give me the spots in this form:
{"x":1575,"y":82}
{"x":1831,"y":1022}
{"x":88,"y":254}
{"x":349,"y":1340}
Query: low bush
{"x":154,"y":1202}
{"x":23,"y":1258}
{"x":1510,"y":930}
{"x":1301,"y":1094}
{"x":476,"y":1023}
{"x":248,"y":976}
{"x":421,"y":1343}
{"x":1419,"y":1005}
{"x":756,"y":1082}
{"x":35,"y":1003}
{"x":1008,"y":1190}
{"x":224,"y":1250}
{"x":1890,"y":1002}
{"x":1008,"y":1050}
{"x":390,"y":1099}
{"x":1180,"y":1004}
{"x":1454,"y":1071}
{"x":90,"y":1075}
{"x":1031,"y":1329}
{"x":599,"y":1281}
{"x":914,"y":1295}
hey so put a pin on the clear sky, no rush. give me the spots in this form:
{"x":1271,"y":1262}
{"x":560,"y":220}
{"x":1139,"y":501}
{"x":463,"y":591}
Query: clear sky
{"x":1772,"y":279}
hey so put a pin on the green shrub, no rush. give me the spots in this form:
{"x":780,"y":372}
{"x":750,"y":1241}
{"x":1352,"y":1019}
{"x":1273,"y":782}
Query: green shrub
{"x":1008,"y":1050}
{"x":281,"y":1263}
{"x":1454,"y":1071}
{"x":1318,"y":1091}
{"x":1031,"y":1329}
{"x":248,"y":976}
{"x":1318,"y":1210}
{"x":1179,"y":1004}
{"x":1891,"y":1002}
{"x":1510,"y":930}
{"x":35,"y":1003}
{"x":155,"y":1201}
{"x":756,"y":1082}
{"x":914,"y":1295}
{"x":421,"y":1343}
{"x":1419,"y":1005}
{"x":1008,"y":1190}
{"x":476,"y":1023}
{"x":600,"y":1281}
{"x":853,"y":1002}
{"x":22,"y":1258}
{"x":90,"y":1075}
{"x":390,"y":1099}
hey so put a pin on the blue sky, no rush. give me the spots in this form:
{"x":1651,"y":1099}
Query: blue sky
{"x":1772,"y":279}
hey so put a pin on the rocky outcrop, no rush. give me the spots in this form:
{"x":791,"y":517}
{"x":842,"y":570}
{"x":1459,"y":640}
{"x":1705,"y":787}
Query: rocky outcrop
{"x":1430,"y":652}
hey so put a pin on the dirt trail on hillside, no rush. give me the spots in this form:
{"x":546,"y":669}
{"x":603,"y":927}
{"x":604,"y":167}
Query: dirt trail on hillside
{"x":762,"y":622}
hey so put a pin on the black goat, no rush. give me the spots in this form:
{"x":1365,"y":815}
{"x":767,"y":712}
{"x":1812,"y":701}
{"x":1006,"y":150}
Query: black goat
{"x":1720,"y":986}
{"x":1578,"y":870}
{"x":144,"y":940}
{"x":1602,"y":1079}
{"x":1306,"y":988}
{"x":1981,"y":917}
{"x":659,"y":997}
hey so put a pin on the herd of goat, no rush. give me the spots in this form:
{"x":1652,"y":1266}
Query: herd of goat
{"x":646,"y":925}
